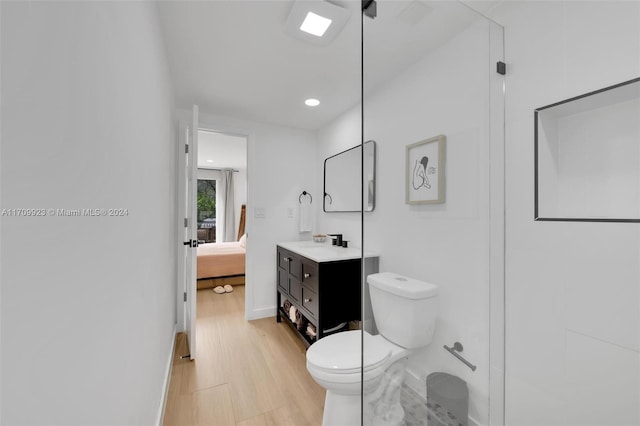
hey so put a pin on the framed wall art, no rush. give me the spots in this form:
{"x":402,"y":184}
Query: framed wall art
{"x":425,"y":177}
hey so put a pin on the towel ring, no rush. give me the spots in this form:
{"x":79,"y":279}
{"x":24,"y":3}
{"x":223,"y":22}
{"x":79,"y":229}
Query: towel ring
{"x":303,"y":194}
{"x":326,"y":194}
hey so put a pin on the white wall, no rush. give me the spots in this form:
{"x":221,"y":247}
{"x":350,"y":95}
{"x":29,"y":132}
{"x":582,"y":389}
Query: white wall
{"x":88,"y":303}
{"x":573,"y":289}
{"x":278,"y":170}
{"x":448,"y":244}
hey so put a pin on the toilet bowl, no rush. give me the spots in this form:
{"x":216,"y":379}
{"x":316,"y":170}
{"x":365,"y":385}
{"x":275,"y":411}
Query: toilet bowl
{"x":347,"y":373}
{"x":405,"y":313}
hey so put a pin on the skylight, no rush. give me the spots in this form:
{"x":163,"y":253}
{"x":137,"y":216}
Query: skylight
{"x":315,"y":24}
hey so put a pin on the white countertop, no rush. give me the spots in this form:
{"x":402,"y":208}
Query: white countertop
{"x":324,"y":252}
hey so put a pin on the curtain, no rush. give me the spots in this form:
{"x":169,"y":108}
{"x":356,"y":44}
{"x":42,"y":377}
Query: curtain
{"x":228,"y":207}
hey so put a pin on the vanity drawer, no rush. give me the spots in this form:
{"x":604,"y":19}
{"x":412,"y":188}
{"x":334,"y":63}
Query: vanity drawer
{"x":310,"y":274}
{"x":295,"y":290}
{"x":310,"y":301}
{"x":290,"y":262}
{"x":284,"y":259}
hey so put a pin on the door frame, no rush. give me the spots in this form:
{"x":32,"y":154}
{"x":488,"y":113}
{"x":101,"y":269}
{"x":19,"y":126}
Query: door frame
{"x":186,"y":285}
{"x":212,"y":125}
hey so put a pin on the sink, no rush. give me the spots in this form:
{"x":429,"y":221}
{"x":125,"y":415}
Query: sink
{"x":322,"y":252}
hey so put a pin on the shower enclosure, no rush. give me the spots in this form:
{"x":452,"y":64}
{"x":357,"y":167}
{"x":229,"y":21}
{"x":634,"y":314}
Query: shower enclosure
{"x":525,"y":216}
{"x":433,"y":101}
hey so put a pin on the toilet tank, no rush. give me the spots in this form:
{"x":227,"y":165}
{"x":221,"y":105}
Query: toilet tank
{"x":405,"y":309}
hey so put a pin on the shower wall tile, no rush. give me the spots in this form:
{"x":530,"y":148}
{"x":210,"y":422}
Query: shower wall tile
{"x":560,"y":277}
{"x":612,"y":29}
{"x":604,"y":302}
{"x":536,"y":332}
{"x":601,"y":396}
{"x":534,"y":404}
{"x":534,"y":53}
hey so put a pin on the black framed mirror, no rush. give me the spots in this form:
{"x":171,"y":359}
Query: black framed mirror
{"x":343,"y":190}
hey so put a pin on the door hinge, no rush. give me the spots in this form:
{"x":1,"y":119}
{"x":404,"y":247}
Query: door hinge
{"x":501,"y":68}
{"x":186,"y":222}
{"x":186,"y":148}
{"x":185,"y":296}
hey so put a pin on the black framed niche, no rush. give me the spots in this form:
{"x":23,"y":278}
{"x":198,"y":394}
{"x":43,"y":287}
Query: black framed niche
{"x":587,"y":157}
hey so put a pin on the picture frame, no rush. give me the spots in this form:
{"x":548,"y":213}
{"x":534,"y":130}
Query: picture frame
{"x":425,"y":171}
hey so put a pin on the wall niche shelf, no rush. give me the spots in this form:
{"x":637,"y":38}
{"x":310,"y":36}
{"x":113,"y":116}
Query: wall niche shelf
{"x":587,"y":157}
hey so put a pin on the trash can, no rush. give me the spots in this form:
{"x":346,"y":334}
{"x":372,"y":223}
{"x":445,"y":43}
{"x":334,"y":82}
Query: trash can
{"x":447,"y":400}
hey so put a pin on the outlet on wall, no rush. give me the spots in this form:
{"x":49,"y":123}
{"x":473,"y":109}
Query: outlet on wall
{"x":290,"y":213}
{"x":259,"y":212}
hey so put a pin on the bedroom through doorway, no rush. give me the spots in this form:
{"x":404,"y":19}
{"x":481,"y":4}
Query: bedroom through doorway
{"x":221,"y":211}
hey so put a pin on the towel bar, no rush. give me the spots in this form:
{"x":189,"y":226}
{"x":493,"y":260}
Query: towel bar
{"x":457,"y":347}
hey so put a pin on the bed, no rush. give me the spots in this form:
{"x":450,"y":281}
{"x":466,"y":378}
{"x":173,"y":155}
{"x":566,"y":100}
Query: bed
{"x":222,"y":263}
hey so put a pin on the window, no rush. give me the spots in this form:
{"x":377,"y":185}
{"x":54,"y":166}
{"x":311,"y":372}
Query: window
{"x":207,"y":210}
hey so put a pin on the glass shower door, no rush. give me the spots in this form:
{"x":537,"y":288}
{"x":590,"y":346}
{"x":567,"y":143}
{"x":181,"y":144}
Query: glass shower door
{"x":433,"y":102}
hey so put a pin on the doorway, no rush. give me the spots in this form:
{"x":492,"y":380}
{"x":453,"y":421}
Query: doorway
{"x":221,"y":210}
{"x":214,"y":193}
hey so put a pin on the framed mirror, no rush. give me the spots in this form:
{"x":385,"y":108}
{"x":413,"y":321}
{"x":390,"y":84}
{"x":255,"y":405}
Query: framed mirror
{"x":587,"y":157}
{"x":343,"y":190}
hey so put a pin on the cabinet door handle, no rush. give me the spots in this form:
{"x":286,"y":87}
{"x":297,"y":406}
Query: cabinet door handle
{"x":307,"y":300}
{"x":307,"y":275}
{"x":286,"y":259}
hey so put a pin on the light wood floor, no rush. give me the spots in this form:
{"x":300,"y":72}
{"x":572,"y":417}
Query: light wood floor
{"x":245,"y":372}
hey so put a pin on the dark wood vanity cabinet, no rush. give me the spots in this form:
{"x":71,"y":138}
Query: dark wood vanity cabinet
{"x":326,"y":293}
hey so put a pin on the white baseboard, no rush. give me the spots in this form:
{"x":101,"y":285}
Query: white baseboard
{"x":258,"y":313}
{"x":167,"y":379}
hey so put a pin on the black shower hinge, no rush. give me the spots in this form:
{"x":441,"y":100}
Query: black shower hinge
{"x":501,"y":68}
{"x":370,"y":8}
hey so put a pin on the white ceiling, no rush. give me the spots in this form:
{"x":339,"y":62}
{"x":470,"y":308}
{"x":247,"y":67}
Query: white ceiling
{"x":233,"y":57}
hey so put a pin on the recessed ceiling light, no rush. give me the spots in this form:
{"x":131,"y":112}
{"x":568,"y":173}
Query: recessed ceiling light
{"x":315,"y":24}
{"x":209,"y":161}
{"x":312,"y":102}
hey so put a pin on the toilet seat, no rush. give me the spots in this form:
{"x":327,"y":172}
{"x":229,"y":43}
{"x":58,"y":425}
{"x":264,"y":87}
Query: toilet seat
{"x":340,"y":353}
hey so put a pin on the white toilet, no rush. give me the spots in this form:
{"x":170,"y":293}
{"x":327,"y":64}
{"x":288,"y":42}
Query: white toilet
{"x":405,"y":312}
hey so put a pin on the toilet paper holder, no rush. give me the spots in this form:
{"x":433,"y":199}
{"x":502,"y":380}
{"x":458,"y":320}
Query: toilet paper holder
{"x":457,"y":347}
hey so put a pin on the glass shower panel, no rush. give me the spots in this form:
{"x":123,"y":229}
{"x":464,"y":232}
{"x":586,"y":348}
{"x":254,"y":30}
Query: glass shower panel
{"x":433,"y":102}
{"x":573,"y":287}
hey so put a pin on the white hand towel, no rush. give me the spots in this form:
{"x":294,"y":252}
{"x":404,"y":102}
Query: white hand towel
{"x":306,"y":217}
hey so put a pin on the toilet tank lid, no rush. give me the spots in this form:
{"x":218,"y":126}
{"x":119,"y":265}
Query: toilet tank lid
{"x":402,"y":286}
